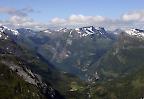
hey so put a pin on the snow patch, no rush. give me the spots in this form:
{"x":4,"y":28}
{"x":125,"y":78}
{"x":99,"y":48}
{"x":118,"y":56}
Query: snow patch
{"x":134,"y":32}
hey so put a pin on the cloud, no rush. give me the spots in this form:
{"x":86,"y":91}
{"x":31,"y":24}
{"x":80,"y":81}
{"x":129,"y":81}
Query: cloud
{"x":134,"y":16}
{"x":83,"y":19}
{"x":20,"y":18}
{"x":23,"y":22}
{"x":78,"y":19}
{"x":13,"y":11}
{"x":133,"y":19}
{"x":57,"y":20}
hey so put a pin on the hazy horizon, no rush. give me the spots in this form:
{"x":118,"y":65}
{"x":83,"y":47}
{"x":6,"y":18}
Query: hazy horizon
{"x":74,"y":13}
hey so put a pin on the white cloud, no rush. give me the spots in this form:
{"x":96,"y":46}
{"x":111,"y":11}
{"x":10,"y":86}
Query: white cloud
{"x":19,"y":22}
{"x":134,"y":16}
{"x":84,"y":19}
{"x":20,"y":18}
{"x":78,"y":19}
{"x":58,"y":20}
{"x":131,"y":19}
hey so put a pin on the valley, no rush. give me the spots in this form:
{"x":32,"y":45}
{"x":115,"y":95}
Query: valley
{"x":81,"y":63}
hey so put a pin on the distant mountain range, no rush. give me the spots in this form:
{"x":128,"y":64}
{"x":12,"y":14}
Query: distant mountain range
{"x":95,"y":55}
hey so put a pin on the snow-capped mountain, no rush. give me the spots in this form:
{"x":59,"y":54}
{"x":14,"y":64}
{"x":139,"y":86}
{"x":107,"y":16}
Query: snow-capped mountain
{"x":88,"y":52}
{"x":8,"y":30}
{"x":85,"y":31}
{"x":47,"y":31}
{"x":88,"y":31}
{"x":91,"y":30}
{"x":135,"y":32}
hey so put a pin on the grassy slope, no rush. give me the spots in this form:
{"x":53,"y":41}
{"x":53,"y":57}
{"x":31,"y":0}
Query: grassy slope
{"x":14,"y":87}
{"x":122,"y":71}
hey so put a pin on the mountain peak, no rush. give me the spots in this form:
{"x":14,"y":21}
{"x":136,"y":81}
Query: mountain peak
{"x":135,"y":32}
{"x":12,"y":31}
{"x":91,"y":28}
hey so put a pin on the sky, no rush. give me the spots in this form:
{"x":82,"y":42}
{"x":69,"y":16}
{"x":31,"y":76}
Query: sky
{"x":72,"y":13}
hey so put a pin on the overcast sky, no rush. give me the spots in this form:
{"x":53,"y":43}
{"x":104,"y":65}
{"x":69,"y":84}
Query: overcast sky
{"x":72,"y":13}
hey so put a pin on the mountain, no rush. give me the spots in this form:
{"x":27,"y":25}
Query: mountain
{"x":58,"y":45}
{"x":30,"y":74}
{"x":125,"y":57}
{"x":74,"y":50}
{"x":120,"y":69}
{"x":70,"y":50}
{"x":83,"y":63}
{"x":17,"y":69}
{"x":135,"y":33}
